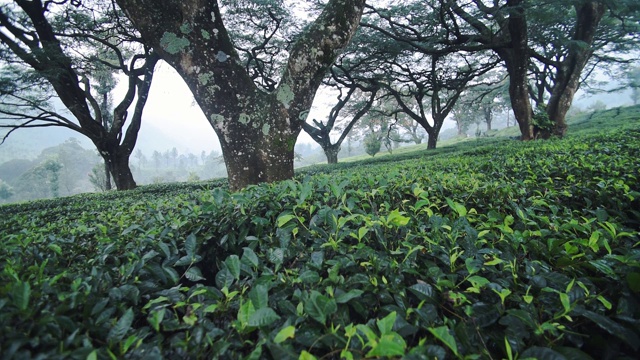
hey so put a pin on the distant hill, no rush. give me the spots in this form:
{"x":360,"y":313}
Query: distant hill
{"x":29,"y":143}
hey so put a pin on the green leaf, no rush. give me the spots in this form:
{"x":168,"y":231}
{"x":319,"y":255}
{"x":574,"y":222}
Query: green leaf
{"x":346,"y":297}
{"x":572,"y":353}
{"x":507,"y":346}
{"x":127,"y":344}
{"x":93,"y":355}
{"x":633,"y":280}
{"x":319,"y":306}
{"x":276,"y":256}
{"x":185,"y":260}
{"x":259,"y":296}
{"x":263,"y":317}
{"x":389,"y":345}
{"x":309,"y":277}
{"x":613,"y":328}
{"x":422,"y":291}
{"x":122,"y":326}
{"x":55,"y":248}
{"x":304,"y":355}
{"x":245,"y":312}
{"x":566,"y":303}
{"x":190,"y":245}
{"x":395,"y":218}
{"x":442,"y":333}
{"x":21,"y":294}
{"x":224,"y":278}
{"x":478,"y":281}
{"x":473,"y":265}
{"x":155,"y":319}
{"x":604,"y":302}
{"x":457,"y":207}
{"x":495,"y":261}
{"x":249,"y":257}
{"x":283,"y":219}
{"x":233,"y":264}
{"x":362,"y":232}
{"x":285,"y":333}
{"x":541,"y":353}
{"x":385,"y":325}
{"x":194,"y":274}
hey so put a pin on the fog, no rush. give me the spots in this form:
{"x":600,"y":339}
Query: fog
{"x":172,"y":119}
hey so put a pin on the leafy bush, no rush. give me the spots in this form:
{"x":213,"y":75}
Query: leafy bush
{"x":372,"y":144}
{"x":503,"y":250}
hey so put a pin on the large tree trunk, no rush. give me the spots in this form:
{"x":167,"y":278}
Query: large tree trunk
{"x":516,"y":59}
{"x":117,"y":162}
{"x":257,"y":130}
{"x":332,"y":154}
{"x":258,"y":146}
{"x":488,"y":116}
{"x":432,"y":140}
{"x":568,"y":73}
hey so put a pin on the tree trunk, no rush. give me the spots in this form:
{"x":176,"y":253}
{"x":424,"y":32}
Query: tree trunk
{"x":460,"y":127}
{"x":258,"y":147}
{"x":488,"y":116}
{"x":257,"y":130}
{"x":568,"y":73}
{"x":107,"y":177}
{"x":432,"y":140}
{"x":516,"y":59}
{"x":332,"y":154}
{"x":118,"y":165}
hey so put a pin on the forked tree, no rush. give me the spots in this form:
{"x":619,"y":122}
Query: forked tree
{"x":257,"y":121}
{"x":56,"y":52}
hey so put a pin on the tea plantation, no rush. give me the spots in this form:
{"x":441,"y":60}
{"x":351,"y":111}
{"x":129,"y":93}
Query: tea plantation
{"x":490,"y":249}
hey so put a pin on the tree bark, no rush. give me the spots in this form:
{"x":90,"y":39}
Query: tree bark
{"x":510,"y":43}
{"x":567,"y":82}
{"x":432,"y":140}
{"x":257,"y":130}
{"x":118,"y":164}
{"x":107,"y":176}
{"x":332,"y":154}
{"x":488,"y":116}
{"x":516,"y":59}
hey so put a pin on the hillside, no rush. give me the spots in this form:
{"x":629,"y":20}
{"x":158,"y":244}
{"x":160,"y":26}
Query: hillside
{"x":487,"y":248}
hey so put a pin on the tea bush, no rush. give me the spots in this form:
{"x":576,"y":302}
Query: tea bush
{"x":498,"y":249}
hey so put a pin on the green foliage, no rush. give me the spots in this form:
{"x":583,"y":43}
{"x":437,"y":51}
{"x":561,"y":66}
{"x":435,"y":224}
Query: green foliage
{"x":6,"y":191}
{"x":98,"y":177}
{"x":372,"y":144}
{"x":541,"y":119}
{"x":494,"y":248}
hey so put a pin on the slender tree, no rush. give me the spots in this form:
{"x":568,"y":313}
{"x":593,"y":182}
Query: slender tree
{"x":321,"y":132}
{"x":440,"y":27}
{"x":570,"y":41}
{"x":633,"y":82}
{"x":257,"y":113}
{"x":52,"y":53}
{"x":435,"y":87}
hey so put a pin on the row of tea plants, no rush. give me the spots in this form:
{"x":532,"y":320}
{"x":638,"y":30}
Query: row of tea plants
{"x":503,"y":250}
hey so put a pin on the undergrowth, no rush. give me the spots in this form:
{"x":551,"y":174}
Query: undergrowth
{"x":496,"y":250}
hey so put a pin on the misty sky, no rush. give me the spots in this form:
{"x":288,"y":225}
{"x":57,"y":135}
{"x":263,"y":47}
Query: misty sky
{"x":172,"y":119}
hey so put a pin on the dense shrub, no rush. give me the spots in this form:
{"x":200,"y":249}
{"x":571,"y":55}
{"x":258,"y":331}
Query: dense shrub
{"x":502,"y":250}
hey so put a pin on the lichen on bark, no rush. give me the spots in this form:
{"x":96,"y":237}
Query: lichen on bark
{"x":173,"y":44}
